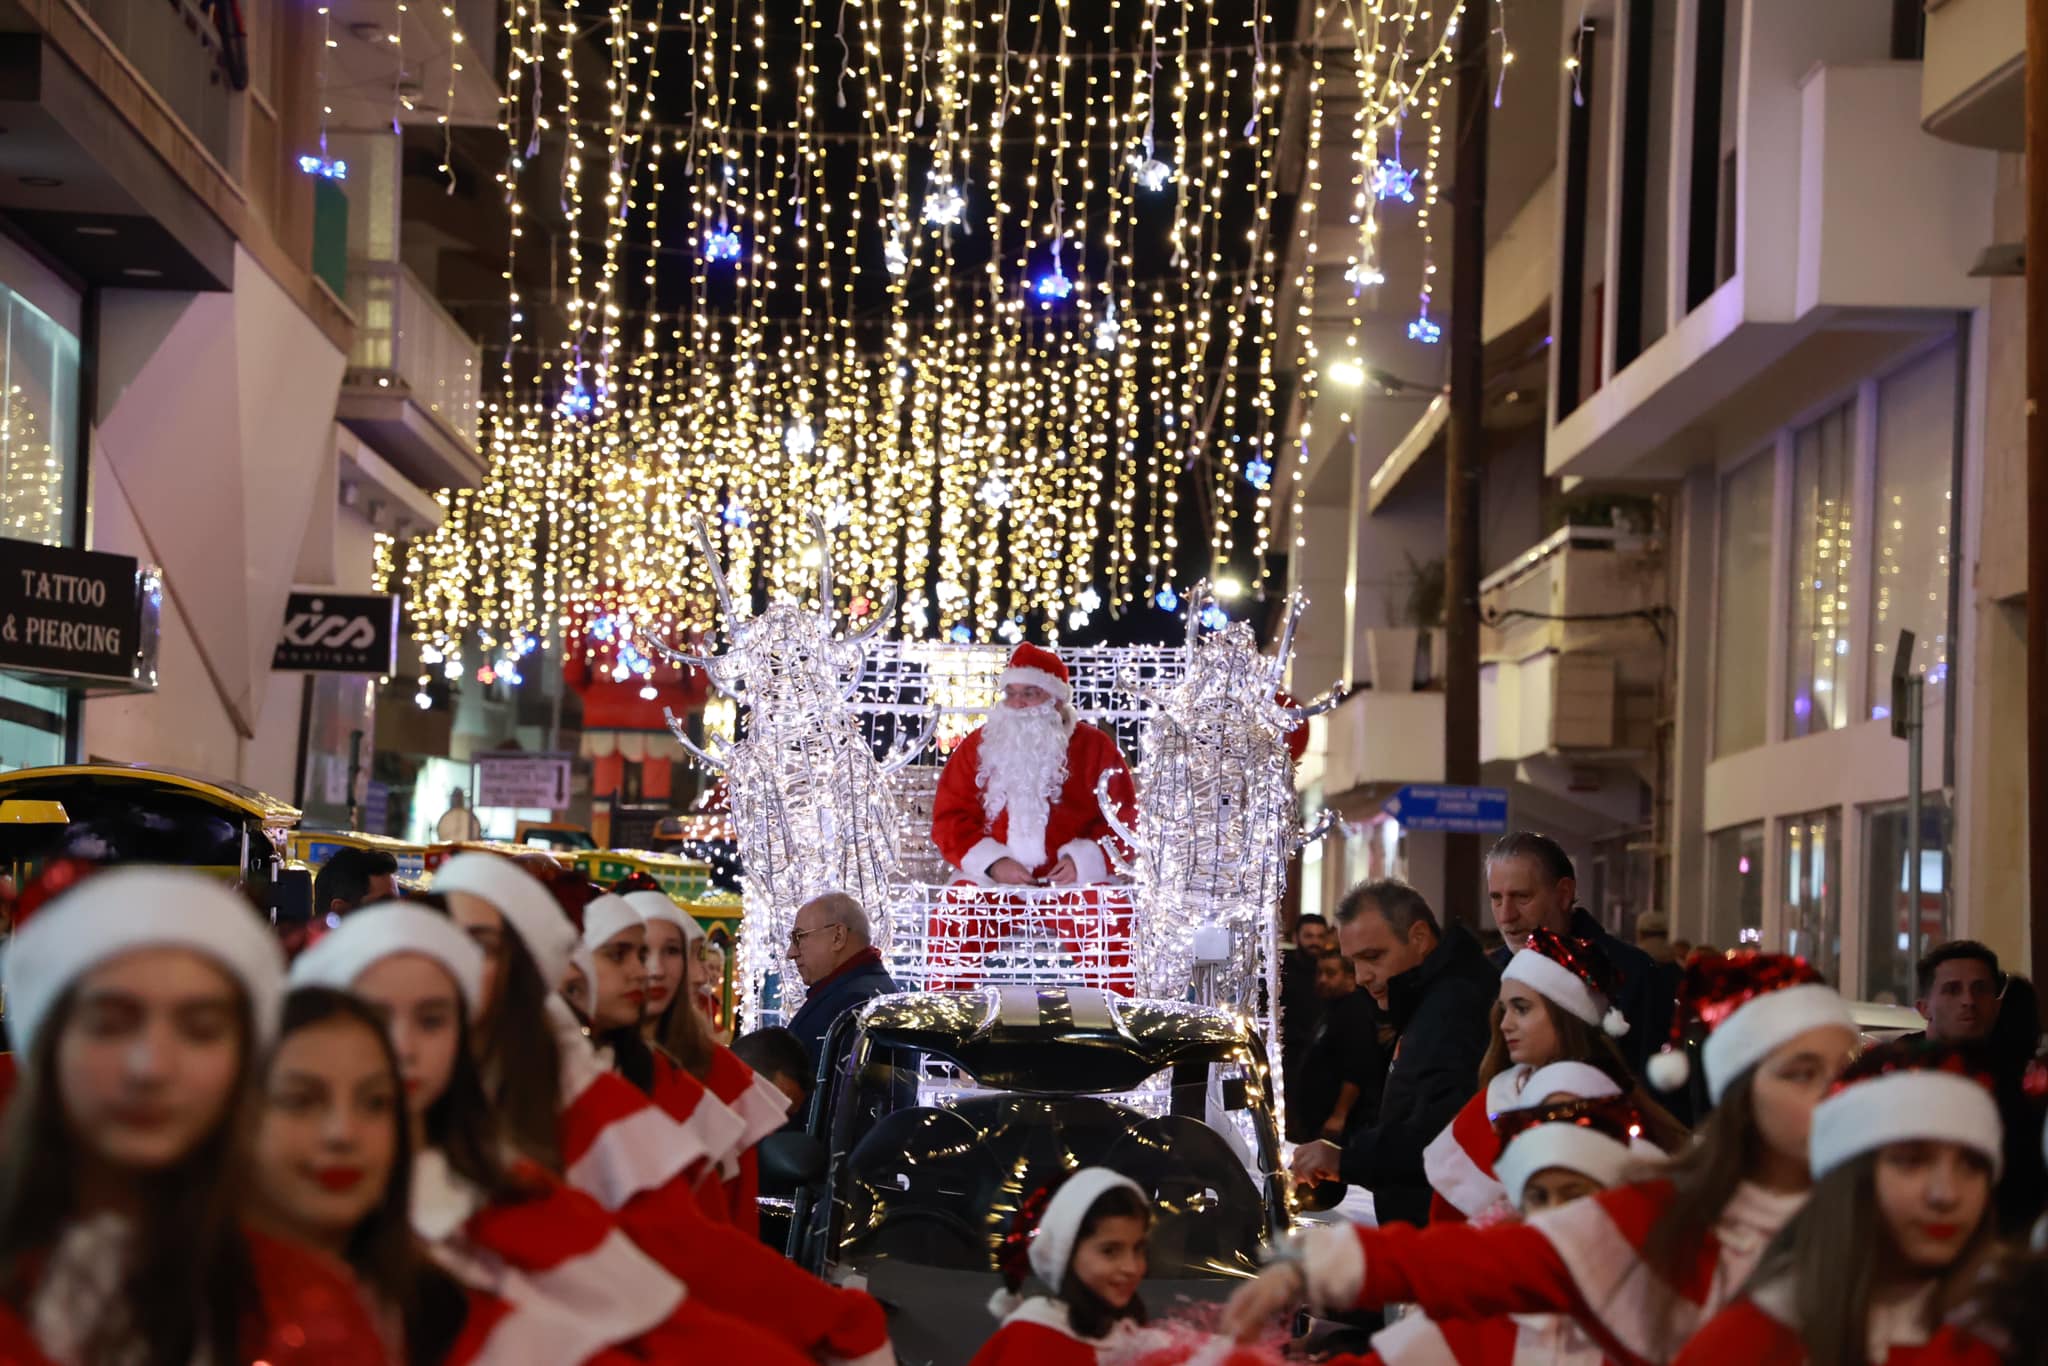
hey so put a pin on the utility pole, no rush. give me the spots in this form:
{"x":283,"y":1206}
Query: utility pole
{"x":1464,"y":451}
{"x":2037,"y":486}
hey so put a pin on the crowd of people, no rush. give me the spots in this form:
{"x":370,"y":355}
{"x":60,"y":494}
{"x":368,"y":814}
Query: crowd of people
{"x":492,"y":1124}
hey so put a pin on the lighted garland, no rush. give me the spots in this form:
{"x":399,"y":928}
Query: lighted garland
{"x":971,"y":361}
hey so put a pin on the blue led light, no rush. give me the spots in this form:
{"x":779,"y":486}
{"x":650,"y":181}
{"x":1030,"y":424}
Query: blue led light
{"x":1167,"y":599}
{"x":962,"y":634}
{"x":1423,"y":328}
{"x":1214,"y":618}
{"x":324,"y":168}
{"x":1391,"y":180}
{"x":1258,"y":473}
{"x":722,"y":244}
{"x":1055,"y":285}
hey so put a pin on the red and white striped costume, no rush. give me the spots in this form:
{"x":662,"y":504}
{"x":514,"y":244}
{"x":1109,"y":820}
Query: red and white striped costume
{"x":1510,"y":1340}
{"x":636,"y":1161}
{"x":553,"y":1278}
{"x":1584,"y":1260}
{"x":763,"y":1108}
{"x":1747,"y":1332}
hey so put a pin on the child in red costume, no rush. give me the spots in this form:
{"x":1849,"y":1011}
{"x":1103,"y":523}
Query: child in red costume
{"x":1551,"y":1154}
{"x":1084,"y":1239}
{"x":551,"y":1275}
{"x":608,"y":1139}
{"x":1553,"y":1008}
{"x":1905,"y":1151}
{"x":141,"y":1000}
{"x":1643,"y":1266}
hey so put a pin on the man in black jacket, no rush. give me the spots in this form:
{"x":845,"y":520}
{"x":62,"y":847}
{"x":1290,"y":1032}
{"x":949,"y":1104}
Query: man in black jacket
{"x":1437,"y":988}
{"x":1530,"y":881}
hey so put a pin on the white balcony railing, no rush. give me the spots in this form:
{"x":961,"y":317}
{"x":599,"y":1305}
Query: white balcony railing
{"x":407,"y":342}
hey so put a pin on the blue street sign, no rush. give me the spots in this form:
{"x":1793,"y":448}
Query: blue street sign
{"x":1458,"y":810}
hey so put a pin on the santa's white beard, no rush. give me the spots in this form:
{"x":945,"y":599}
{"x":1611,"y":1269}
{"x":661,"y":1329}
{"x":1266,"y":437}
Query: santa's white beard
{"x":1023,"y":765}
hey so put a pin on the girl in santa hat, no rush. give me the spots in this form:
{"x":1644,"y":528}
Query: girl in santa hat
{"x":614,"y":1142}
{"x":1084,"y":1239}
{"x":332,"y":1167}
{"x":140,"y":1001}
{"x":759,"y":1103}
{"x":1555,"y":1008}
{"x":552,"y":1276}
{"x":2008,"y":1307}
{"x":1641,"y":1266}
{"x":1552,"y":1152}
{"x":1905,"y":1151}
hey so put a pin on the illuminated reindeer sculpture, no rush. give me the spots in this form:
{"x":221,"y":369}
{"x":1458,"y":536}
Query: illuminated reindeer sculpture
{"x":812,"y":807}
{"x":1217,"y":820}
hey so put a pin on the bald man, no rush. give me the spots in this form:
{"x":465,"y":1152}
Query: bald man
{"x":831,"y":946}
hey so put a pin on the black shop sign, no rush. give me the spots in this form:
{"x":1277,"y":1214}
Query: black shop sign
{"x":338,"y":633}
{"x":71,"y":614}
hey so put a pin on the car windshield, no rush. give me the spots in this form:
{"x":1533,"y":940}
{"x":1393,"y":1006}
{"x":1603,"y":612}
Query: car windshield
{"x":125,"y":822}
{"x":935,"y":1166}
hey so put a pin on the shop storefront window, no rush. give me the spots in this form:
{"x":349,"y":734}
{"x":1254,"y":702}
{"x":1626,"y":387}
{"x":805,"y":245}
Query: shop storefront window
{"x":1735,"y":887}
{"x":1813,"y":890}
{"x":39,"y":375}
{"x":1916,"y":419}
{"x":1887,"y":953}
{"x":1821,"y":650}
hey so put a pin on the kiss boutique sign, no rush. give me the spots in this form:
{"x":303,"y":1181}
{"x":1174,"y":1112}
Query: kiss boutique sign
{"x":78,"y":616}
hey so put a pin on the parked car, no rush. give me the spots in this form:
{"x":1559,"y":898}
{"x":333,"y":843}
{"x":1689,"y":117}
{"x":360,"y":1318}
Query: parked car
{"x":945,"y":1109}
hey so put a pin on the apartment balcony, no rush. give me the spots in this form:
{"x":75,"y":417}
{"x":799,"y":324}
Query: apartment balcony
{"x":1570,"y":656}
{"x":412,"y":388}
{"x":1974,"y":76}
{"x":1375,"y":739}
{"x":1828,"y":233}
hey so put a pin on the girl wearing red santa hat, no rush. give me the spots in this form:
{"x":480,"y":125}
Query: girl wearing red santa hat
{"x":617,"y":1144}
{"x":140,"y":1001}
{"x":553,"y":1278}
{"x":1554,"y":1009}
{"x":1905,"y":1151}
{"x":1551,"y":1153}
{"x":1084,"y":1238}
{"x":332,"y":1167}
{"x":1641,"y":1266}
{"x":759,"y":1103}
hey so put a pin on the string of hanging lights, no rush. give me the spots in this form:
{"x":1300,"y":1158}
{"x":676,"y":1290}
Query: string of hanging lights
{"x":997,"y":286}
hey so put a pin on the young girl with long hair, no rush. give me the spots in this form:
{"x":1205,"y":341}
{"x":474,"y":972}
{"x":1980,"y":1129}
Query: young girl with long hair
{"x":1552,"y":1152}
{"x":1641,"y":1266}
{"x":1554,"y":1010}
{"x":761,"y":1106}
{"x":1084,"y":1239}
{"x":333,"y":1167}
{"x":616,"y":1144}
{"x":559,"y":1281}
{"x":140,"y":1001}
{"x":1905,"y":1151}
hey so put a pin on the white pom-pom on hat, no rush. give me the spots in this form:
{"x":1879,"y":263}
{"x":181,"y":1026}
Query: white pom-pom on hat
{"x":1614,"y":1023}
{"x":1669,"y":1069}
{"x":1004,"y":1302}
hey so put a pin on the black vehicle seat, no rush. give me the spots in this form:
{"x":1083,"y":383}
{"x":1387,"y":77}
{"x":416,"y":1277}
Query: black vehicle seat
{"x":919,"y":1188}
{"x":1209,"y":1210}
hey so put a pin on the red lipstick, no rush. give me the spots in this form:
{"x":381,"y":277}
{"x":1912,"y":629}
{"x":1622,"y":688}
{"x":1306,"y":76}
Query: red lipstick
{"x":339,"y":1178}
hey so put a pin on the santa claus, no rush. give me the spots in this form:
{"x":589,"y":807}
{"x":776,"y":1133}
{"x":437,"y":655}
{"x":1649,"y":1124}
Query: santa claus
{"x":1016,"y":805}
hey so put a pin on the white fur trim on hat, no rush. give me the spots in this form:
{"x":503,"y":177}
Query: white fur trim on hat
{"x":1580,"y":1079}
{"x":369,"y":936}
{"x":1036,"y":678}
{"x":607,"y":917}
{"x":661,"y":906}
{"x":525,"y":902}
{"x":125,"y":909}
{"x":1760,"y":1024}
{"x":1560,"y":986}
{"x":582,"y":960}
{"x":1052,"y":1245}
{"x":1900,"y":1107}
{"x":1573,"y":1147}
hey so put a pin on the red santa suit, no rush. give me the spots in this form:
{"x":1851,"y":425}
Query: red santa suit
{"x":1747,"y":1331}
{"x":974,"y":826}
{"x":1510,"y":1340}
{"x":1585,"y":1260}
{"x":1459,"y":1161}
{"x":764,"y":1108}
{"x":1039,"y":1333}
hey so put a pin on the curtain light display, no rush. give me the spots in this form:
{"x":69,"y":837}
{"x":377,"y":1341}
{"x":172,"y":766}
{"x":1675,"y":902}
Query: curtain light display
{"x":1002,"y":280}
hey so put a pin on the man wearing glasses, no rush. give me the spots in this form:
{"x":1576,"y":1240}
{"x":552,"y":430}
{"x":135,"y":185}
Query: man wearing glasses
{"x":830,"y":944}
{"x":1962,"y":994}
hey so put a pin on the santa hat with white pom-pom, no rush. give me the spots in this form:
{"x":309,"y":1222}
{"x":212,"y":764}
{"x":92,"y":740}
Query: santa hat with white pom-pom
{"x":1744,"y":1005}
{"x":1042,"y":1233}
{"x":1571,"y":974}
